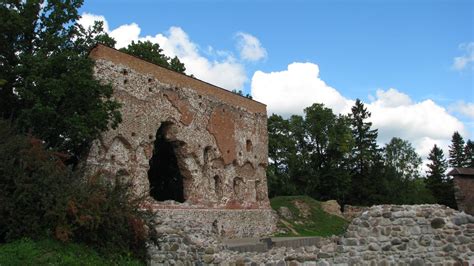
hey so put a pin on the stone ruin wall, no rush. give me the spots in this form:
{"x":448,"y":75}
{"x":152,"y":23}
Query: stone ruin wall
{"x":222,"y":137}
{"x":380,"y":235}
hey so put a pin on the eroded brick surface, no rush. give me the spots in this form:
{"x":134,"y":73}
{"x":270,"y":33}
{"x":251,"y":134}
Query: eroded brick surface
{"x":221,"y":137}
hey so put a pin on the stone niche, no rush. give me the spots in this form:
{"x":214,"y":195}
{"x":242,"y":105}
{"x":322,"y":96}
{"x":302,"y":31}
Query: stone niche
{"x":182,"y":140}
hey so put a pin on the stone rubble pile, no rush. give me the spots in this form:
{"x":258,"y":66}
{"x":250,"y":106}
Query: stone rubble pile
{"x":381,"y":235}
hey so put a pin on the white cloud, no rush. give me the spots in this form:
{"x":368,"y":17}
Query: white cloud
{"x":87,"y":20}
{"x":422,"y":123}
{"x":391,"y":98}
{"x":225,"y":71}
{"x":290,"y":91}
{"x":394,"y":113}
{"x":463,"y":61}
{"x":250,"y":47}
{"x":463,"y":108}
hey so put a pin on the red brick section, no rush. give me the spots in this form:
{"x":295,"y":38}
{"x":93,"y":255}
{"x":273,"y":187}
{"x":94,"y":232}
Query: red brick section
{"x":465,"y":185}
{"x":221,"y":125}
{"x":175,"y":78}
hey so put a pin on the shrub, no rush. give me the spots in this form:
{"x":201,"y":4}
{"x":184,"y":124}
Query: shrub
{"x":41,"y":197}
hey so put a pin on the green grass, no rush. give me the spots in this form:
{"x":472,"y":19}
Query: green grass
{"x":50,"y":252}
{"x":318,"y":223}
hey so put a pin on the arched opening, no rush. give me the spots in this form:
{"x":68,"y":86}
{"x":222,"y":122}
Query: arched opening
{"x":166,"y":181}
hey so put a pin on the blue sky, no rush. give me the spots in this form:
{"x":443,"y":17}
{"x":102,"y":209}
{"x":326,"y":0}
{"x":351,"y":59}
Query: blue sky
{"x":359,"y":48}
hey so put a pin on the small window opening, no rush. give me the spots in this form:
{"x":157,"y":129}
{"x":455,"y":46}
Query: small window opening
{"x":248,"y":145}
{"x":238,"y":186}
{"x":218,"y":186}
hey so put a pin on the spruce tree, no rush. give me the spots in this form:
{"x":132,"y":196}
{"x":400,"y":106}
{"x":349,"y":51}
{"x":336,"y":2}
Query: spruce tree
{"x":469,"y":154}
{"x":365,"y":139}
{"x":365,"y":155}
{"x":437,"y":181}
{"x":456,"y":151}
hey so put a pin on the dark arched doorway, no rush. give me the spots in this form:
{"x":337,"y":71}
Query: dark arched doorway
{"x":166,"y":181}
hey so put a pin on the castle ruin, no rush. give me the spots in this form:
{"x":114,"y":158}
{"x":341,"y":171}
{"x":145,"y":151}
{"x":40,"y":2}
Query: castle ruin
{"x":199,"y":151}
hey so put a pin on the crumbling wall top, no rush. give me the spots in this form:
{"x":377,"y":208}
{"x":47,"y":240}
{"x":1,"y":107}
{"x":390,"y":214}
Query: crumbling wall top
{"x":177,"y":79}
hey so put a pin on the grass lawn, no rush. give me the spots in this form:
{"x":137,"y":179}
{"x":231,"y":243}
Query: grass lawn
{"x":309,"y":219}
{"x":51,"y":252}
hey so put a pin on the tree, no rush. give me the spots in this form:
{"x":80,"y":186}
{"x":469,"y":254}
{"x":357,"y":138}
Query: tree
{"x":365,"y":139}
{"x":281,"y":150}
{"x":241,"y":93}
{"x":402,"y":157}
{"x":365,"y":154}
{"x":437,"y":181}
{"x":456,"y":151}
{"x":153,"y":53}
{"x":176,"y":65}
{"x":401,"y":172}
{"x":329,"y":142}
{"x":469,"y":154}
{"x":49,"y":89}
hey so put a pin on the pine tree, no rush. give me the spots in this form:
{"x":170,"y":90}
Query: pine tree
{"x":469,"y":154}
{"x":456,"y":151}
{"x":437,"y":182}
{"x":365,"y":155}
{"x":365,"y":139}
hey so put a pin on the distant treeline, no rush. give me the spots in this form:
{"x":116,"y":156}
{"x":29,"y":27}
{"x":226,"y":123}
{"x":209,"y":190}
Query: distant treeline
{"x":329,"y":156}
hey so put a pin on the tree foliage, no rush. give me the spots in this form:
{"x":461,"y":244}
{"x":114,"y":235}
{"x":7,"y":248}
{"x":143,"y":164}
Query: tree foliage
{"x":153,"y":53}
{"x":402,"y":157}
{"x":329,"y":156}
{"x":469,"y":154}
{"x":437,"y":181}
{"x":49,"y":89}
{"x":456,"y":151}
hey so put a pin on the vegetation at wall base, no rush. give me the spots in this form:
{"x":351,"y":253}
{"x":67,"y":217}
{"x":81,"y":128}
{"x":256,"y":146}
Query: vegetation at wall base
{"x":42,"y":198}
{"x":313,"y":221}
{"x":52,"y":252}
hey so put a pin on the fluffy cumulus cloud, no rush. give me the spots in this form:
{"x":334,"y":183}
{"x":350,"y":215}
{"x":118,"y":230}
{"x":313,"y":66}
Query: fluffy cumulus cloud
{"x":463,"y":108}
{"x":290,"y":91}
{"x":250,"y":47}
{"x":394,"y":113}
{"x":225,"y":71}
{"x":461,"y":62}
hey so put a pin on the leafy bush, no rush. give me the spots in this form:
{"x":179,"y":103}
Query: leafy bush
{"x":41,"y":197}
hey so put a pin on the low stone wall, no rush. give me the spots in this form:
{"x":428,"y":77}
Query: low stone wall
{"x":382,"y":235}
{"x":350,"y":212}
{"x":227,"y":223}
